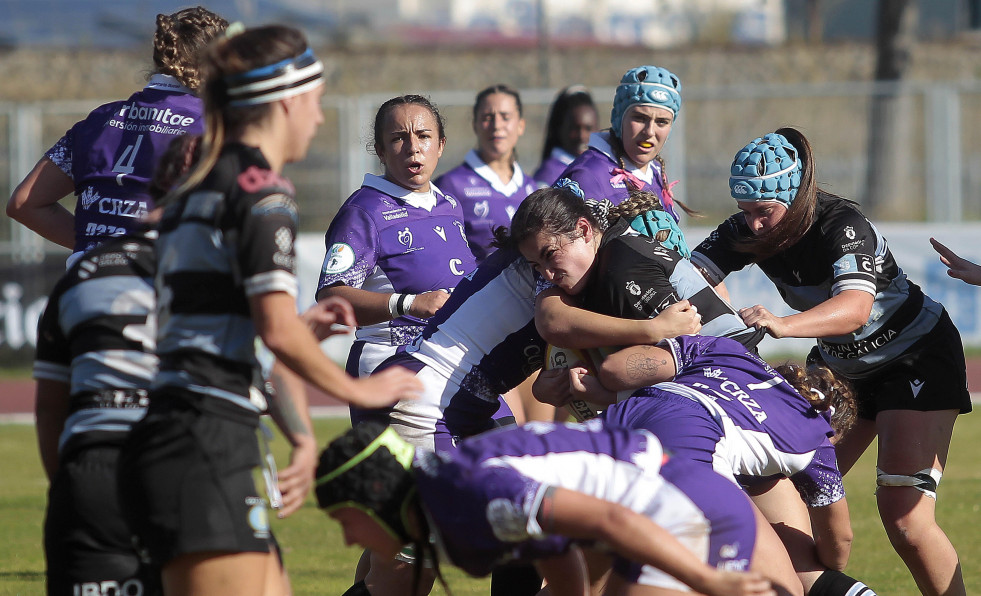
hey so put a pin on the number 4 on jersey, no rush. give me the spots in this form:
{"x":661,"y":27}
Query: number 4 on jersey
{"x":124,"y":165}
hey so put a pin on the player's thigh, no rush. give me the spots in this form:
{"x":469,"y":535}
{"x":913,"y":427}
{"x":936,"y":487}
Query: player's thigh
{"x":910,"y":440}
{"x":782,"y":506}
{"x":217,"y":574}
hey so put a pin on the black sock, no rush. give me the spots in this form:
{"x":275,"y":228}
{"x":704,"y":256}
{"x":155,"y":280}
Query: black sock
{"x":836,"y":583}
{"x":515,"y":580}
{"x":358,"y":589}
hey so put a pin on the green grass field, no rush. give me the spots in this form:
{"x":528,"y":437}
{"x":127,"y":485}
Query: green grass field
{"x":319,"y":564}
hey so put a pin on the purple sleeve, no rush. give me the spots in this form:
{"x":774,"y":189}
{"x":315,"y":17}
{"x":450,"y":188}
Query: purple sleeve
{"x":352,"y":248}
{"x":61,"y":153}
{"x":485,"y":516}
{"x":820,"y":483}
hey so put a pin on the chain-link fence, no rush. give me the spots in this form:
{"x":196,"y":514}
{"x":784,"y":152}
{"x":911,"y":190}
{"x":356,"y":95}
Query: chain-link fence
{"x":926,"y":164}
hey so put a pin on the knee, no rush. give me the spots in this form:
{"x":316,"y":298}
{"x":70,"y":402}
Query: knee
{"x":903,"y":515}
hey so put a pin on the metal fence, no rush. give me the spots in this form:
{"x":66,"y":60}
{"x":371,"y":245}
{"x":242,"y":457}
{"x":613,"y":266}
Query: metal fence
{"x":932,"y":141}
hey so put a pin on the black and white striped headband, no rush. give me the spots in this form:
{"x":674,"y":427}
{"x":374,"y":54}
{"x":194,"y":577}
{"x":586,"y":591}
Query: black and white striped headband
{"x":283,"y":79}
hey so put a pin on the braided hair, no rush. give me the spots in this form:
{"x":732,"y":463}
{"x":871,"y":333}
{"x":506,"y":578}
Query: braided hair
{"x":178,"y":40}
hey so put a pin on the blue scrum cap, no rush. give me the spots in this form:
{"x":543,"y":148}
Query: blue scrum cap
{"x":767,"y":169}
{"x":645,"y":86}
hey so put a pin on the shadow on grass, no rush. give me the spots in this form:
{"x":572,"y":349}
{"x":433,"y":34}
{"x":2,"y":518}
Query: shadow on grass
{"x":24,"y":575}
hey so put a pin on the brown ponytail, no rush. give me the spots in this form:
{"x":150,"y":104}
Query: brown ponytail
{"x":824,"y":391}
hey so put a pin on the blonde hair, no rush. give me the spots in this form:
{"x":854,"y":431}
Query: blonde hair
{"x":179,"y":39}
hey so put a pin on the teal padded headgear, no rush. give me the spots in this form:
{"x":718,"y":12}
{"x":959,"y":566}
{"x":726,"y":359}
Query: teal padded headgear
{"x":651,"y":222}
{"x":645,"y":86}
{"x":767,"y":169}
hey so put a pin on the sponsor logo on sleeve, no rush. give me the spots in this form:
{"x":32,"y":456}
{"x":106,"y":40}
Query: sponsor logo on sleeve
{"x":507,"y":521}
{"x":340,"y":258}
{"x":284,"y":245}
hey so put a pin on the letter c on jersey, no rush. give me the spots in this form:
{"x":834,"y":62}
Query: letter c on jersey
{"x":455,"y":267}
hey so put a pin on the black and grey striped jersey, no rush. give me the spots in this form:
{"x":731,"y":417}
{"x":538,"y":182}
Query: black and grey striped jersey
{"x":636,"y":277}
{"x":97,"y":335}
{"x":841,"y":251}
{"x":227,"y":239}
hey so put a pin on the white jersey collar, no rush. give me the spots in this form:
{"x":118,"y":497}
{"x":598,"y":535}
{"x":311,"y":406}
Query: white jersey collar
{"x":419,"y":200}
{"x":484,"y":171}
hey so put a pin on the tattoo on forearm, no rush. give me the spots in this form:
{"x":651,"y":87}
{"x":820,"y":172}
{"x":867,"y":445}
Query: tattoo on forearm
{"x":283,"y":402}
{"x":639,"y":367}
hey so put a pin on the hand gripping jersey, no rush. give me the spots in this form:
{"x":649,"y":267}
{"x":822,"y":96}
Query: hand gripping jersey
{"x":387,"y":239}
{"x":111,"y":155}
{"x":97,"y":334}
{"x":594,"y":171}
{"x":635,"y":277}
{"x":483,"y":498}
{"x":841,"y":251}
{"x":551,"y":169}
{"x":482,"y":343}
{"x":228,"y":239}
{"x":765,"y":427}
{"x":487,"y":201}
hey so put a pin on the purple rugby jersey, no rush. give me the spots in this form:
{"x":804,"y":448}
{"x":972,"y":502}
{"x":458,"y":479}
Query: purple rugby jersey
{"x":551,"y":169}
{"x":482,"y":499}
{"x":769,"y":428}
{"x":487,"y":201}
{"x":111,"y":155}
{"x":385,"y":239}
{"x":593,"y":170}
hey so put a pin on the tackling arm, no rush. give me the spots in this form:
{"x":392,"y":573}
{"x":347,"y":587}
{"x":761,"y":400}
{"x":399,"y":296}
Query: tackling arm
{"x":638,"y":538}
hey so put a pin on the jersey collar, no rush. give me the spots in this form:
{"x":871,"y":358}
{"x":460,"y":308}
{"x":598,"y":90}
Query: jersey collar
{"x":484,"y":171}
{"x":419,"y":200}
{"x":166,"y":83}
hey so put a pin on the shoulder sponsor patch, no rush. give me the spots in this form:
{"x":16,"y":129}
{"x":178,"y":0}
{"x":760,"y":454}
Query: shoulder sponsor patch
{"x":507,"y":521}
{"x":852,"y":263}
{"x":339,"y":259}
